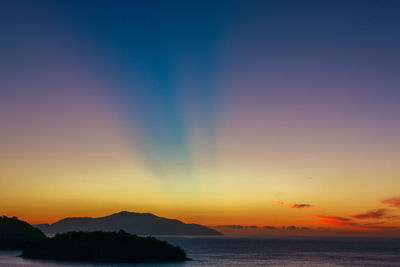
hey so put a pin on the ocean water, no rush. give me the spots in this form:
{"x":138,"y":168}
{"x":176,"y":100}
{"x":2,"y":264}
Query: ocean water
{"x":260,"y":251}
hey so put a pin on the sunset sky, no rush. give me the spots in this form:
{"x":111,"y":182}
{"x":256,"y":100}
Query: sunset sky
{"x":223,"y":113}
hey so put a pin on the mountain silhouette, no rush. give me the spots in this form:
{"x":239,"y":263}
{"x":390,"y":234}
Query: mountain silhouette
{"x":131,"y":222}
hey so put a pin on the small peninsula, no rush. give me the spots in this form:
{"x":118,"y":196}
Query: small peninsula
{"x":118,"y":247}
{"x":16,"y":234}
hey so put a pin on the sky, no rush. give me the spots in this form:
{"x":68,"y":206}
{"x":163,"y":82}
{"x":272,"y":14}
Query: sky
{"x":261,"y":117}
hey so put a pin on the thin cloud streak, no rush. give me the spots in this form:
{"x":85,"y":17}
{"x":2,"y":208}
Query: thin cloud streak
{"x":300,"y":206}
{"x":333,"y":218}
{"x":372,"y":214}
{"x":394,"y":202}
{"x":347,"y":222}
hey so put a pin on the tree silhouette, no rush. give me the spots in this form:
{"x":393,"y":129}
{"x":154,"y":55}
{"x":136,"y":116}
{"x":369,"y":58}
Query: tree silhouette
{"x":104,"y":247}
{"x":16,"y":234}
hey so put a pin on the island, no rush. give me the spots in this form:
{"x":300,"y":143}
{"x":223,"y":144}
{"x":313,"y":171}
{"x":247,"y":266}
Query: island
{"x":131,"y":222}
{"x":16,"y":234}
{"x":99,"y":246}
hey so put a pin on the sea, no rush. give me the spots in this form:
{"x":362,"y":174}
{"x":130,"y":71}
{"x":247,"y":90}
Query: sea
{"x":259,"y":251}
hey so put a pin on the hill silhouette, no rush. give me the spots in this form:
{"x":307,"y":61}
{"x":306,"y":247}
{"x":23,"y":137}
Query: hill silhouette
{"x":131,"y":222}
{"x":104,"y":247}
{"x":16,"y":234}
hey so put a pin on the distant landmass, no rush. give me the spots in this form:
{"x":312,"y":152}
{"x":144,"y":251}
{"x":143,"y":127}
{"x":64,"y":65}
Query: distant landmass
{"x":131,"y":222}
{"x":16,"y":234}
{"x":104,"y":247}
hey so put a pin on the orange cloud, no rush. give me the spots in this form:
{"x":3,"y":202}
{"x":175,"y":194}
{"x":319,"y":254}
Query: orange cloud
{"x":394,"y":202}
{"x":348,"y":223}
{"x":278,"y":202}
{"x":372,"y":214}
{"x":333,"y":218}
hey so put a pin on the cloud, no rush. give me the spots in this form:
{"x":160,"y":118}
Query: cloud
{"x":300,"y":206}
{"x":372,"y":214}
{"x":376,"y":227}
{"x":232,"y":226}
{"x":392,"y":217}
{"x":292,"y":227}
{"x":342,"y":221}
{"x":237,"y":226}
{"x":394,"y":202}
{"x":293,"y":206}
{"x":267,"y":227}
{"x":333,"y":218}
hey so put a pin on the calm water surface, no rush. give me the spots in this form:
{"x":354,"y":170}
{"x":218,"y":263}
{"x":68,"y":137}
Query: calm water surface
{"x":246,"y":251}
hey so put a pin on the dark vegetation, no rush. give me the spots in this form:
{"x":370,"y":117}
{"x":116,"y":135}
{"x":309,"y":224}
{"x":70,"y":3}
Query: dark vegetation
{"x":104,"y":247}
{"x":17,"y":235}
{"x":85,"y":246}
{"x":131,"y":222}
